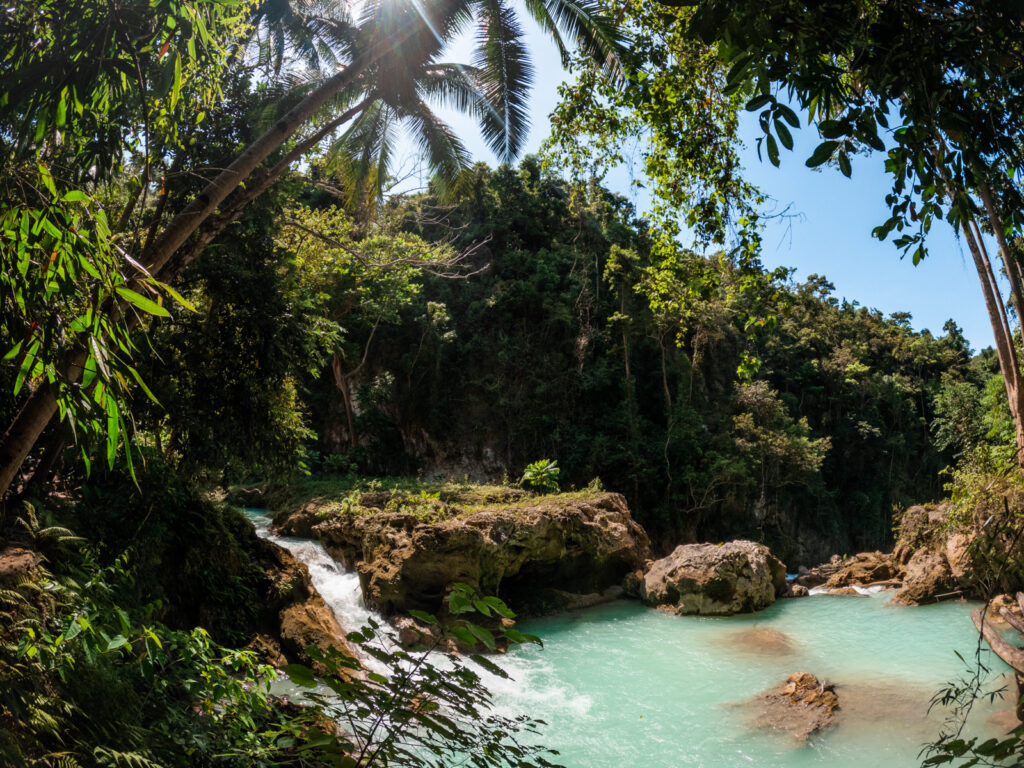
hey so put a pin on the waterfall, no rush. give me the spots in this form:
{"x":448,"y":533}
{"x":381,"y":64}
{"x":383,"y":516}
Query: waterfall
{"x":338,"y":587}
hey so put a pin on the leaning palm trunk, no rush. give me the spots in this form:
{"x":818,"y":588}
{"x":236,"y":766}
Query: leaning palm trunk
{"x":24,"y":432}
{"x":501,"y":51}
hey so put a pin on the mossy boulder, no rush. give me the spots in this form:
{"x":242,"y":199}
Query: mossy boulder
{"x":714,"y":579}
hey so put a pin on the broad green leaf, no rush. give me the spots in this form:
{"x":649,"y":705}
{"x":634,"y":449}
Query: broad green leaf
{"x":773,"y":150}
{"x":170,"y":291}
{"x":822,"y":153}
{"x":176,"y":87}
{"x":426,"y":618}
{"x":758,"y":101}
{"x":784,"y":135}
{"x":140,"y":301}
{"x":490,"y":666}
{"x":844,"y":164}
{"x":301,"y":675}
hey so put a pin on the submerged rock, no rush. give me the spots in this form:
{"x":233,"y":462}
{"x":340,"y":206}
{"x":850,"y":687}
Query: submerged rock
{"x":571,"y":543}
{"x":801,"y":706}
{"x":714,"y":579}
{"x":760,"y":641}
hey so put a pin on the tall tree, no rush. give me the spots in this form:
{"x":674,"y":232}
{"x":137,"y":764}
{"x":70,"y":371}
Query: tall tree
{"x":942,"y":80}
{"x":385,"y":41}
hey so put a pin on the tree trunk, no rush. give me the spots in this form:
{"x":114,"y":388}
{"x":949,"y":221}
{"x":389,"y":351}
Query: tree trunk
{"x":341,"y":381}
{"x":1005,"y":349}
{"x":23,"y":433}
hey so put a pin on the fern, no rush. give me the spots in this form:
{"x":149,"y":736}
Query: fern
{"x":116,"y":759}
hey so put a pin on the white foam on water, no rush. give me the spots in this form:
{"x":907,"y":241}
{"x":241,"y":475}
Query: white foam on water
{"x":339,"y":588}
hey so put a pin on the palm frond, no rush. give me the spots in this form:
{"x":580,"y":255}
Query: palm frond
{"x":445,"y":153}
{"x":585,"y":25}
{"x":362,"y":154}
{"x":454,"y":86}
{"x":506,"y":78}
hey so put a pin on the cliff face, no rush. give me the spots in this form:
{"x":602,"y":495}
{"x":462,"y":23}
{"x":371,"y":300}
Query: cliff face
{"x":517,"y":550}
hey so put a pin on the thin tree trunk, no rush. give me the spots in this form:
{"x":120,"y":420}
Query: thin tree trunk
{"x":1010,"y":262}
{"x":1005,"y":349}
{"x":245,"y":196}
{"x":23,"y":433}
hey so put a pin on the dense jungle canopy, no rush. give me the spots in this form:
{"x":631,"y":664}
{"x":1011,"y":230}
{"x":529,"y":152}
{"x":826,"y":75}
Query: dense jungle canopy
{"x":212,"y":275}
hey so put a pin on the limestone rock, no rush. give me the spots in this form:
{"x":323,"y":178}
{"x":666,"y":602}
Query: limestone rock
{"x":999,"y":602}
{"x":918,"y":526}
{"x":311,"y":623}
{"x":864,"y":568}
{"x":17,"y":561}
{"x":800,"y":706}
{"x":797,"y":590}
{"x":293,"y":615}
{"x":848,"y":591}
{"x":958,"y":556}
{"x":715,"y":580}
{"x":815,"y":577}
{"x":927,"y":575}
{"x":580,"y":545}
{"x":268,"y":649}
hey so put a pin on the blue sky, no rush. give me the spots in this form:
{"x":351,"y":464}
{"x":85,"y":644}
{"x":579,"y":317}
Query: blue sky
{"x":830,"y":233}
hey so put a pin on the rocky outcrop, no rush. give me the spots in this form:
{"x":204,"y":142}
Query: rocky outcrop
{"x":863,"y":569}
{"x":815,"y":577}
{"x":930,"y":560}
{"x":1000,"y":606}
{"x":926,"y":577}
{"x":581,"y":543}
{"x":17,"y":561}
{"x":919,"y":527}
{"x":714,"y":579}
{"x":295,"y":617}
{"x":801,"y":706}
{"x":310,"y":623}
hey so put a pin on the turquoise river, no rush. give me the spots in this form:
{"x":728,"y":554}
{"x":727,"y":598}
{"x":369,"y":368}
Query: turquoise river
{"x":624,"y":685}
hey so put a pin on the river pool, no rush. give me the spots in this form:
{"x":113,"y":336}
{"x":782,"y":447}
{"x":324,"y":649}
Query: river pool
{"x":623,"y":685}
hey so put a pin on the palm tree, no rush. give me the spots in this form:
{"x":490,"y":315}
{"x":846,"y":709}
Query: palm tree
{"x":386,"y":66}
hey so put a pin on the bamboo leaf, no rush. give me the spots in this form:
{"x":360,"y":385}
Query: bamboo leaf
{"x":140,"y":301}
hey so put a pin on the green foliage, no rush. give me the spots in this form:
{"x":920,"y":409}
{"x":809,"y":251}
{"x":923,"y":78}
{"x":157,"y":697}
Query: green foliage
{"x":86,"y":682}
{"x":947,"y":94}
{"x":672,"y":107}
{"x":542,"y":475}
{"x":192,"y":560}
{"x":722,"y":399}
{"x":422,"y":708}
{"x":71,"y":291}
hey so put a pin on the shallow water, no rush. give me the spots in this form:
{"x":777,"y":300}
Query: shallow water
{"x":623,"y":685}
{"x":626,"y":685}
